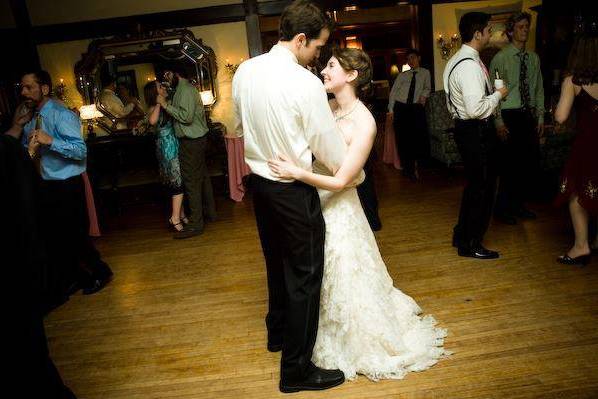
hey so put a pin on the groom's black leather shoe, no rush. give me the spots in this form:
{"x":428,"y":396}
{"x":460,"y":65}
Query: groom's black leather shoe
{"x":274,"y":346}
{"x":478,"y":252}
{"x":317,"y":379}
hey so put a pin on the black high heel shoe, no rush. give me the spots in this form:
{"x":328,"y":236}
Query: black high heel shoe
{"x":173,"y":226}
{"x":581,"y":260}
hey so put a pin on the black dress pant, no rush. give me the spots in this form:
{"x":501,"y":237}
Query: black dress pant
{"x":519,"y":159}
{"x":411,"y":134}
{"x":64,"y":223}
{"x":196,"y":181}
{"x":291,"y":229}
{"x":476,"y":141}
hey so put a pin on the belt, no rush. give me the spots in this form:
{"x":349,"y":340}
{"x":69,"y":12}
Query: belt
{"x":528,"y":110}
{"x":485,"y":121}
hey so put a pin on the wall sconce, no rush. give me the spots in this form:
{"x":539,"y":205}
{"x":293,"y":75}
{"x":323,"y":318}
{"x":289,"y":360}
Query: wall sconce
{"x":447,"y":46}
{"x":89,"y":113}
{"x":62,"y":93}
{"x":394,"y":71}
{"x":231,"y":68}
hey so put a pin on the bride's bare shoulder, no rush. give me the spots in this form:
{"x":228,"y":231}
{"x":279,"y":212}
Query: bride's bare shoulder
{"x":366,"y":120}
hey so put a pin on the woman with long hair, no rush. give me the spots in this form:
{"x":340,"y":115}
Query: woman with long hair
{"x":579,"y":180}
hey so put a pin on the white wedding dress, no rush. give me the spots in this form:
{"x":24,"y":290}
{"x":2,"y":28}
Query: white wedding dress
{"x":366,"y":325}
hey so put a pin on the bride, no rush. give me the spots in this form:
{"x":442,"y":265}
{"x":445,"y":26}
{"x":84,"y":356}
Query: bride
{"x":366,"y":326}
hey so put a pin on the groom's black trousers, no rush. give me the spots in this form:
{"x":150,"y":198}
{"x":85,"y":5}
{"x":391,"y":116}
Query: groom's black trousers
{"x":477,"y":143}
{"x":291,"y":229}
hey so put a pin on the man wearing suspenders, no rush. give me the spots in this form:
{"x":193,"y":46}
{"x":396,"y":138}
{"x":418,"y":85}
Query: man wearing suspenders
{"x":472,"y":102}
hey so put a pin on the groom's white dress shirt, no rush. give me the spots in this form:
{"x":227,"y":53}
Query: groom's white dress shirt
{"x":282,"y":108}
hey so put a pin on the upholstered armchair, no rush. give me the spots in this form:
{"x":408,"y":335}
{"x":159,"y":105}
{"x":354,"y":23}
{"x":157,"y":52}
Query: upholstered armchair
{"x":441,"y":127}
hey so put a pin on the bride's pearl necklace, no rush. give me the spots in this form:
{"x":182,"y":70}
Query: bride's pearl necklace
{"x":339,"y":117}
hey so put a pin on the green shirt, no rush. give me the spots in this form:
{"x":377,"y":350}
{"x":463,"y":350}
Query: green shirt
{"x":187,"y":111}
{"x":507,"y":63}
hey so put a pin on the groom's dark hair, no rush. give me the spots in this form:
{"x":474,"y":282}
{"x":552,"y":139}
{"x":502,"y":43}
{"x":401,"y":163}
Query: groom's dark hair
{"x":303,"y":16}
{"x":471,"y":23}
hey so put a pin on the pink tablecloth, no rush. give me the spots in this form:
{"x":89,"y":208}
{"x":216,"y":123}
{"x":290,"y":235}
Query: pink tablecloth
{"x":94,"y":227}
{"x":237,"y":168}
{"x":390,"y":154}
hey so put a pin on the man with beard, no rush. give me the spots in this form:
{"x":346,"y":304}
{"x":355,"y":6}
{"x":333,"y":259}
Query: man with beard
{"x":52,"y":136}
{"x":191,"y":127}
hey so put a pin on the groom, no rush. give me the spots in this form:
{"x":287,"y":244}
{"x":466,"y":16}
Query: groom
{"x":282,"y":108}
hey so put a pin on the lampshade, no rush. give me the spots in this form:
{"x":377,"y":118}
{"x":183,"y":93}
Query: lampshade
{"x":207,"y":98}
{"x":405,"y":67}
{"x":90,"y":111}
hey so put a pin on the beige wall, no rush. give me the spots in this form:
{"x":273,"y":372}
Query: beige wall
{"x":228,"y":41}
{"x":444,"y":21}
{"x":47,"y":12}
{"x":59,"y":60}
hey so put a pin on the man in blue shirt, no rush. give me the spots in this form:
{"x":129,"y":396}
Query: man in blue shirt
{"x":52,"y":136}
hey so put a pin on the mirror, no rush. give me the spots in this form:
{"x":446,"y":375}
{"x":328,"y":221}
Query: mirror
{"x":113,"y":73}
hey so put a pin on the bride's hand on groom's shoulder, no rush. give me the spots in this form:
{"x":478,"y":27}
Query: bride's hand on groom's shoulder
{"x":283,"y":168}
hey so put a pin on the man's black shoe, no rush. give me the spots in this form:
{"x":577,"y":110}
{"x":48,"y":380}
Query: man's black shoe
{"x":455,"y":240}
{"x":525,"y":213}
{"x":477,"y":252}
{"x":506,"y":218}
{"x":274,"y":346}
{"x":456,"y":236}
{"x":73,"y":288}
{"x":317,"y":379}
{"x":187,"y":232}
{"x":96,"y":285}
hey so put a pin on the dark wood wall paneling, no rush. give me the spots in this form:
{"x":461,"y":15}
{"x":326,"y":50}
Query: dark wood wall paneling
{"x":122,"y":25}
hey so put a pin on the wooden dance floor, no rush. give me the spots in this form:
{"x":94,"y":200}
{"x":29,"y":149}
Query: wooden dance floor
{"x":185,"y":319}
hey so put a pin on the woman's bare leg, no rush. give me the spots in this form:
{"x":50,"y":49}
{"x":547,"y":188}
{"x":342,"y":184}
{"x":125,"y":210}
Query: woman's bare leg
{"x":579,"y":217}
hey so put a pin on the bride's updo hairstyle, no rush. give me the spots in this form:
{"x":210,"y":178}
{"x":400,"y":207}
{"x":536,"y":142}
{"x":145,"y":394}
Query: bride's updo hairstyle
{"x":352,"y":59}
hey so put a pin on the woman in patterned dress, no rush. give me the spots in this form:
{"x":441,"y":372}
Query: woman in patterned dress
{"x":167,"y":151}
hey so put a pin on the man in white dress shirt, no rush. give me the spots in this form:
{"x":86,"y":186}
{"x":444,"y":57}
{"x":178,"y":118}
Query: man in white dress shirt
{"x":282,"y":108}
{"x":113,"y":104}
{"x":472,"y":102}
{"x":406,"y":102}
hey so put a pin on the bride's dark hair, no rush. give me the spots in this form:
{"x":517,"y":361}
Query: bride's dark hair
{"x":352,"y":59}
